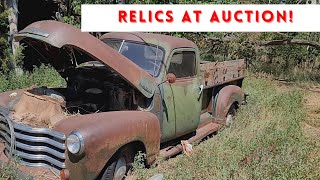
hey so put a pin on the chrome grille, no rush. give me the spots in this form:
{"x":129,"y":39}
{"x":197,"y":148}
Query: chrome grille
{"x":34,"y":146}
{"x":5,"y":132}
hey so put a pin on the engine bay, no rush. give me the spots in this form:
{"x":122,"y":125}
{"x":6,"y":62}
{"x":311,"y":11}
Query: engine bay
{"x":91,"y":88}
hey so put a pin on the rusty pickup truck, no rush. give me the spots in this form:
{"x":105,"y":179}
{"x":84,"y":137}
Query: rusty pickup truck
{"x":125,"y":93}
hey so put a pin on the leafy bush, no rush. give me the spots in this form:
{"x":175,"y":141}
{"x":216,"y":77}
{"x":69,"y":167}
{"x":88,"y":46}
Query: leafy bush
{"x":40,"y":76}
{"x":4,"y":46}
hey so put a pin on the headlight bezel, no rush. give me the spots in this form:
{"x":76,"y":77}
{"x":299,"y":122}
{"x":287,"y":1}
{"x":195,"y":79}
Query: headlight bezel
{"x":80,"y":141}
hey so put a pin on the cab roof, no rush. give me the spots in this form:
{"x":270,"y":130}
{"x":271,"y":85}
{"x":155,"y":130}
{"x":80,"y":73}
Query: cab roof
{"x":167,"y":42}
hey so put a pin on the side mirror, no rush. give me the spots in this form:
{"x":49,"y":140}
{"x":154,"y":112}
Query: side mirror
{"x":171,"y":78}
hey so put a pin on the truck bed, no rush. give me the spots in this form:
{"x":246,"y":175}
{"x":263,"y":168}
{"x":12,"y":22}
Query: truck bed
{"x":216,"y":73}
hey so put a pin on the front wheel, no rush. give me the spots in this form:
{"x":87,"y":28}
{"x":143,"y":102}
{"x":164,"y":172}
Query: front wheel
{"x":119,"y":166}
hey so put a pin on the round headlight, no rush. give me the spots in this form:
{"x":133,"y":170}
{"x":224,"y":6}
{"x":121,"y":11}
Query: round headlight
{"x":75,"y":143}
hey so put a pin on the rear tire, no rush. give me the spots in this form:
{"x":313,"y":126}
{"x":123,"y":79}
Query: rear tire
{"x":119,"y":166}
{"x":231,"y":114}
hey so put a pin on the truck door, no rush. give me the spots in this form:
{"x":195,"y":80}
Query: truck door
{"x":182,"y":97}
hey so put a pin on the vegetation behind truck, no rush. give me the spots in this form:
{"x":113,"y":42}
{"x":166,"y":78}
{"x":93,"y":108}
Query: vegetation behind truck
{"x":125,"y":93}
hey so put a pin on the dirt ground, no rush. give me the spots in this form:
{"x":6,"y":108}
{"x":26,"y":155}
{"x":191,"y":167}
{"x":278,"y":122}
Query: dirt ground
{"x":311,"y":125}
{"x":312,"y":106}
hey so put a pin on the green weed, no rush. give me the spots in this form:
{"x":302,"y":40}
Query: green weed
{"x":40,"y":76}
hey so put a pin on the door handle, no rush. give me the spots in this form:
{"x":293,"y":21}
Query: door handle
{"x":201,"y":88}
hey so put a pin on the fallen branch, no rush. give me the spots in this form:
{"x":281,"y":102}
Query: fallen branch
{"x":221,"y":40}
{"x":289,"y":42}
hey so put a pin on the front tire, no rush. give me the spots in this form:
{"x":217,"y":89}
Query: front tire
{"x":118,"y":168}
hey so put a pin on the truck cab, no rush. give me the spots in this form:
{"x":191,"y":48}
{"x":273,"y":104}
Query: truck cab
{"x":179,"y":102}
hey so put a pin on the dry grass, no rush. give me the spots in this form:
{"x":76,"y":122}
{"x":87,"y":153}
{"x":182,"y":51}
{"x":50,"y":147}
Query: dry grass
{"x":8,"y":170}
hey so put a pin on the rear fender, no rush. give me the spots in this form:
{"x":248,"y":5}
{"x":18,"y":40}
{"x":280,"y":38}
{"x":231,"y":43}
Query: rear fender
{"x":104,"y":134}
{"x":227,"y":96}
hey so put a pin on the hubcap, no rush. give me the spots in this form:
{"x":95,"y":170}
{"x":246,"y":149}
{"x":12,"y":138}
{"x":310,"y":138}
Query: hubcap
{"x":121,"y":169}
{"x":229,"y":120}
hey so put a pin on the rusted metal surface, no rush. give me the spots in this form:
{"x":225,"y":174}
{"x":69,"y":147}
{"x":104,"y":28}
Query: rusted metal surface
{"x":9,"y":96}
{"x":104,"y":134}
{"x":171,"y":78}
{"x":61,"y":35}
{"x":38,"y":110}
{"x":157,"y":104}
{"x":217,"y":73}
{"x":201,"y":132}
{"x":226,"y":97}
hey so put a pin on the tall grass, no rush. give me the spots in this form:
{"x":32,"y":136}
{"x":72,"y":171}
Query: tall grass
{"x":292,"y":74}
{"x":40,"y":76}
{"x":266,"y":142}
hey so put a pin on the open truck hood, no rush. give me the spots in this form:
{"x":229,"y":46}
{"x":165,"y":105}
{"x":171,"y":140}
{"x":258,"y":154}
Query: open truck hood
{"x":61,"y":35}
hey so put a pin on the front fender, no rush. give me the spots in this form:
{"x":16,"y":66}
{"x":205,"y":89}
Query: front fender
{"x":105,"y":133}
{"x":8,"y":96}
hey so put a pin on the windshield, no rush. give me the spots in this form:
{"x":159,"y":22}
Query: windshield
{"x":145,"y":56}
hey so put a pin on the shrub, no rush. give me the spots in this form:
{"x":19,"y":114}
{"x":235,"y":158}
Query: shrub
{"x":40,"y":76}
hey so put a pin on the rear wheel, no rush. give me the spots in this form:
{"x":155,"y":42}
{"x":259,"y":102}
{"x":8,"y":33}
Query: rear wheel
{"x":120,"y":166}
{"x":231,"y":114}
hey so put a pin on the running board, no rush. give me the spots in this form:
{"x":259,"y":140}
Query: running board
{"x":202,"y":132}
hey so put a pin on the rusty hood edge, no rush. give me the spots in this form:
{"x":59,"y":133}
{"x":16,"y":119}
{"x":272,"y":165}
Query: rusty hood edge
{"x":60,"y":34}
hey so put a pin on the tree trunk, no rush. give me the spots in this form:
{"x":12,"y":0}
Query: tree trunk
{"x":12,"y":6}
